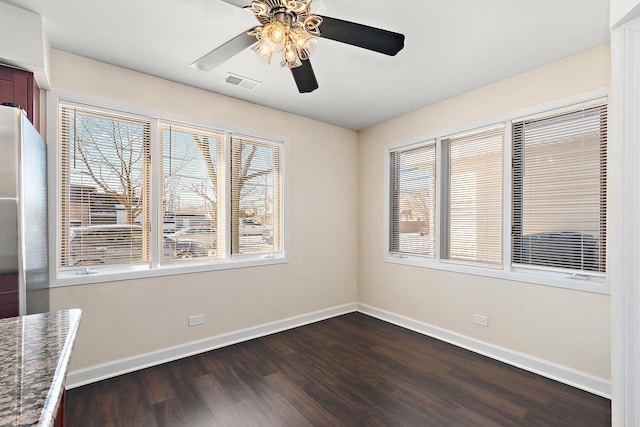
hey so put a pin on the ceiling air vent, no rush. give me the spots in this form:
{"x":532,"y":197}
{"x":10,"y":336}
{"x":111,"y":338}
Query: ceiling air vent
{"x":244,"y":82}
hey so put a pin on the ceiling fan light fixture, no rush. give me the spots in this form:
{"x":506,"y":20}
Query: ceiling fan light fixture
{"x":287,"y":26}
{"x":263,"y":50}
{"x":275,"y":35}
{"x":290,"y":58}
{"x":300,"y":38}
{"x":297,"y":6}
{"x":258,"y":8}
{"x":311,"y":24}
{"x":272,"y":38}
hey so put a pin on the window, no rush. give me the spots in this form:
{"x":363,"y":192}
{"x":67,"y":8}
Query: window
{"x":412,"y":207}
{"x":190,"y":187}
{"x":559,"y":193}
{"x":105,"y":172}
{"x":211,"y":198}
{"x":517,"y":198}
{"x":472,"y":193}
{"x":255,"y":196}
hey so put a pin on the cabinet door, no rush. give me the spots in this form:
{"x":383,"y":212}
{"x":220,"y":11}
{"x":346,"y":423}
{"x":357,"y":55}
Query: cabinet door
{"x":9,"y":303}
{"x":19,"y":87}
{"x":6,"y":90}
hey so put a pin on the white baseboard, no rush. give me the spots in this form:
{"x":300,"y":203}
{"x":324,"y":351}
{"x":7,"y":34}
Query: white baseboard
{"x":573,"y":377}
{"x":122,"y":366}
{"x":566,"y":375}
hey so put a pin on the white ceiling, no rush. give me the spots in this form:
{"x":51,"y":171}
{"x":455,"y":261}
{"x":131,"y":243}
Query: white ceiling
{"x":451,"y":47}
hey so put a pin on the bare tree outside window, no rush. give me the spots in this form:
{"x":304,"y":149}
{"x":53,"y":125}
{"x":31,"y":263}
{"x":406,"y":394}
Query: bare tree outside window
{"x":105,"y":188}
{"x":194,"y":196}
{"x":114,"y":155}
{"x":190,"y":184}
{"x":190,"y":172}
{"x":254,"y":185}
{"x":204,"y":145}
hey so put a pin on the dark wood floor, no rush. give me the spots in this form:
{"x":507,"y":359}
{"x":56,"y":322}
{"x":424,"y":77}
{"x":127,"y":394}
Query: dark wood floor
{"x":352,"y":370}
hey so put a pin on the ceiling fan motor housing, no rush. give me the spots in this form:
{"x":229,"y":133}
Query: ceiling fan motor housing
{"x":284,"y":15}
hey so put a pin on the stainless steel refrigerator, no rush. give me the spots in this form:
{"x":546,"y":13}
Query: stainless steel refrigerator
{"x":24,"y":260}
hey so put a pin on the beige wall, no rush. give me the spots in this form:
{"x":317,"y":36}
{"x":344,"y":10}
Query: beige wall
{"x":566,"y":327}
{"x":129,"y":318}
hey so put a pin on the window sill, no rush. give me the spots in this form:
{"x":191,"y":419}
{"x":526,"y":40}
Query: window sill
{"x":119,"y":273}
{"x":593,"y":284}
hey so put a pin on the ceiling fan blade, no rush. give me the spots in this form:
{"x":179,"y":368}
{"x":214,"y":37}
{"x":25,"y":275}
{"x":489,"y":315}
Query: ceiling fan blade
{"x":305,"y":77}
{"x":238,"y":3}
{"x":363,"y":36}
{"x":220,"y":54}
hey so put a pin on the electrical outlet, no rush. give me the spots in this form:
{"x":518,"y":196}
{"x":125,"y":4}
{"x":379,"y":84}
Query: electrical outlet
{"x":481,"y":320}
{"x":196,"y":320}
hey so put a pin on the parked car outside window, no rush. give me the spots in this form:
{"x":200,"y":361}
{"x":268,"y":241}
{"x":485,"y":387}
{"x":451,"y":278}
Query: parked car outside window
{"x":562,"y":249}
{"x":122,"y":243}
{"x":251,"y":227}
{"x":267,"y":235}
{"x":206,"y":235}
{"x":424,"y":230}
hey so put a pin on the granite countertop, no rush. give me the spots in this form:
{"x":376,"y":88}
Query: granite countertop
{"x":34,"y":356}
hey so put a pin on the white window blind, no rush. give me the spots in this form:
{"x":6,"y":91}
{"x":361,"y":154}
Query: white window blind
{"x":256,"y":195}
{"x":559,"y":195}
{"x":105,"y":172}
{"x":191,"y":192}
{"x":413,"y":204}
{"x":472,"y":196}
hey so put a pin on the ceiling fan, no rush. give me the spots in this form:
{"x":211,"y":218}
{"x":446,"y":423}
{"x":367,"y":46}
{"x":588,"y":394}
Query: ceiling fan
{"x":289,"y":27}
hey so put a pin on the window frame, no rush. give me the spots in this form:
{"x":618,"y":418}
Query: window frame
{"x":145,"y":171}
{"x":445,"y":177}
{"x":395,"y":202}
{"x":155,"y":268}
{"x":519,"y":200}
{"x":594,"y":283}
{"x":278,"y":183}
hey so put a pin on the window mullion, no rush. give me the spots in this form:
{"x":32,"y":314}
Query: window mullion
{"x":156,"y":198}
{"x":444,"y":197}
{"x":439,"y":220}
{"x":226,"y":208}
{"x":507,"y":195}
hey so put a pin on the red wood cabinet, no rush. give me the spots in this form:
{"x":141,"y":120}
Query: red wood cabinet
{"x":20,"y":87}
{"x":59,"y":420}
{"x":9,"y":302}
